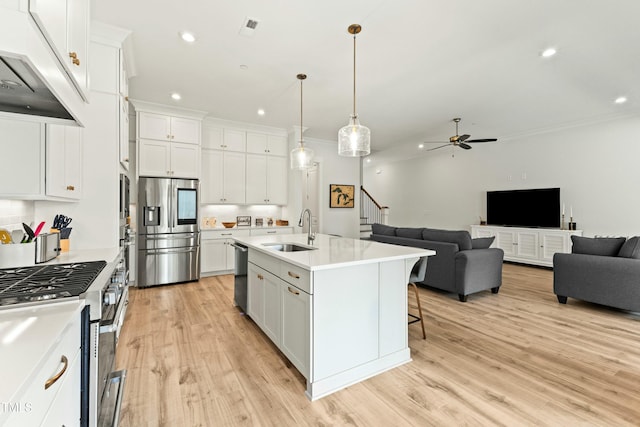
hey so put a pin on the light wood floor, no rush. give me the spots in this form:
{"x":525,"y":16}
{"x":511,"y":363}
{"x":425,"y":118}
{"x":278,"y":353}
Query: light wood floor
{"x":516,"y":358}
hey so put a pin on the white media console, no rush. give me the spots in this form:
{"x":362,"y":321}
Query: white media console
{"x":528,"y":245}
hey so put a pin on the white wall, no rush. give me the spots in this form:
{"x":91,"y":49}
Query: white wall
{"x":334,"y":169}
{"x":14,"y":212}
{"x":597,"y":168}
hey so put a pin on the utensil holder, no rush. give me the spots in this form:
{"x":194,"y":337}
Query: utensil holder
{"x":17,"y":255}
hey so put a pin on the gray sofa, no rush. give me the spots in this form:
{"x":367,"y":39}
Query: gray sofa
{"x":461,"y":264}
{"x":600,"y":270}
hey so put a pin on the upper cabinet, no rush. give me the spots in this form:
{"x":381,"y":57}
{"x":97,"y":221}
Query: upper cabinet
{"x":261,"y":143}
{"x":168,"y":141}
{"x":168,"y":128}
{"x":65,"y":25}
{"x":64,"y":161}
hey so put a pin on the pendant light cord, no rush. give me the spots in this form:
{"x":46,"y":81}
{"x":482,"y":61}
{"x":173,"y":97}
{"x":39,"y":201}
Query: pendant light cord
{"x":301,"y":142}
{"x":354,"y":75}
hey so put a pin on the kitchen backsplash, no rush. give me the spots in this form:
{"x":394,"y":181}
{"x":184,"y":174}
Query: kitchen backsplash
{"x":14,"y":212}
{"x":230,"y":212}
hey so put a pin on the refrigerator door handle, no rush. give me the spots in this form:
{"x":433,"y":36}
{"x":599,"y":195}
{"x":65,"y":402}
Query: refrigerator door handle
{"x":171,"y":251}
{"x":172,"y":236}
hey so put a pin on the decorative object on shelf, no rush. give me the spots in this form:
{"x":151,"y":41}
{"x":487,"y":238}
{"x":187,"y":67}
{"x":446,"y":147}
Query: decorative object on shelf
{"x":341,"y":196}
{"x":228,"y":224}
{"x":282,"y":222}
{"x":213,"y":221}
{"x":270,"y":222}
{"x":300,"y":156}
{"x":259,"y":222}
{"x":243,"y":221}
{"x":354,"y":139}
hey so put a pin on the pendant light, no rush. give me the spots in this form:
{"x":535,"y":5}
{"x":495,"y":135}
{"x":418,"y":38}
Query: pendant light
{"x":354,"y":139}
{"x":300,"y":156}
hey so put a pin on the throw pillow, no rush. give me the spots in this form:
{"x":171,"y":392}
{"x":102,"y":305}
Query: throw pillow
{"x":461,"y":238}
{"x":482,"y":242}
{"x":409,"y":233}
{"x":384,"y":230}
{"x":605,"y":246}
{"x":630,"y":248}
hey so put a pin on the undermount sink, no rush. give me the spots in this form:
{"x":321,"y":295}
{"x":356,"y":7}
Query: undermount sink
{"x":288,"y":247}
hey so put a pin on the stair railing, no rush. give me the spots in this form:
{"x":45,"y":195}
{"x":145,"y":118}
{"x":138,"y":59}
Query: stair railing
{"x":372,"y":210}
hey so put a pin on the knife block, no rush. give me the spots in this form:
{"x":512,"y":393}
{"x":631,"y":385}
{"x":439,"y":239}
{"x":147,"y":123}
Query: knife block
{"x":64,"y":245}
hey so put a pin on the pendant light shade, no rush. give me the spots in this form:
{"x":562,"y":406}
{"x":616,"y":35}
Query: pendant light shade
{"x":301,"y":156}
{"x":354,"y":140}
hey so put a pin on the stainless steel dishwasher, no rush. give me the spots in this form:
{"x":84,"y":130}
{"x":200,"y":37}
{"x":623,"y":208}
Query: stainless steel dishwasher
{"x":240,"y":279}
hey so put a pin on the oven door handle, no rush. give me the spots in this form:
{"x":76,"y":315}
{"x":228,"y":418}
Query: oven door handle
{"x":169,"y":251}
{"x":112,"y":325}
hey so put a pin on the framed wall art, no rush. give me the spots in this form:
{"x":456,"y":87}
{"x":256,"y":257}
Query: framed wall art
{"x":243,"y":221}
{"x":341,"y":196}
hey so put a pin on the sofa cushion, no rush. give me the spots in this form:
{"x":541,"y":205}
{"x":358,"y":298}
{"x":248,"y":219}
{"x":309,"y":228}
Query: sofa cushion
{"x":385,"y":230}
{"x":409,"y":233}
{"x":630,"y":248}
{"x":604,"y":246}
{"x":462,"y":238}
{"x":482,"y":242}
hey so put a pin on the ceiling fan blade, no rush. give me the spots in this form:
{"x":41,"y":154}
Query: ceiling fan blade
{"x":483,"y":140}
{"x":464,"y":145}
{"x":445,"y":145}
{"x":434,"y":142}
{"x":463,"y":137}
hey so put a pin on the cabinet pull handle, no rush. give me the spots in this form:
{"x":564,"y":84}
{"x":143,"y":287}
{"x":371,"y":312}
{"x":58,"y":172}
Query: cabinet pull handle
{"x":71,"y":188}
{"x":271,"y":232}
{"x":260,"y":276}
{"x":51,"y":381}
{"x":293,"y":291}
{"x":294,"y":275}
{"x":73,"y":55}
{"x":126,"y":98}
{"x":75,"y":61}
{"x":226,"y":234}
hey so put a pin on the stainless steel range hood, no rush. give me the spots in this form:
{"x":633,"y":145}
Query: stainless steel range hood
{"x":22,"y":91}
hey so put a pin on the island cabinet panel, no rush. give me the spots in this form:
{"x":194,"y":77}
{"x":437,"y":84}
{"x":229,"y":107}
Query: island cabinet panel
{"x":255,"y":294}
{"x":345,"y":319}
{"x":393,"y":307}
{"x":296,"y":309}
{"x":272,"y":306}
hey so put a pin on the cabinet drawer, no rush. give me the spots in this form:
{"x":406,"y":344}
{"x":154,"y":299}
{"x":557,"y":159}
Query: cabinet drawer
{"x":36,"y":396}
{"x":223,"y":234}
{"x":267,"y":231}
{"x":296,"y":276}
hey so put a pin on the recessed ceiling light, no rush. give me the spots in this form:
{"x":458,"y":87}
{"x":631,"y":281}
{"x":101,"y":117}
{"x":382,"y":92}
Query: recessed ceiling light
{"x":176,"y":96}
{"x":421,"y":146}
{"x":261,"y":112}
{"x":188,"y":37}
{"x":549,"y":52}
{"x":621,"y":100}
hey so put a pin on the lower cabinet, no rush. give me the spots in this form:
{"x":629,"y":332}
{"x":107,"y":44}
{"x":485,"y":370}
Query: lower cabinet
{"x":528,"y":245}
{"x":282,"y":311}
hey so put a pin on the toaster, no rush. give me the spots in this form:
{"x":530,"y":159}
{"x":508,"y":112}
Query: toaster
{"x":47,"y":247}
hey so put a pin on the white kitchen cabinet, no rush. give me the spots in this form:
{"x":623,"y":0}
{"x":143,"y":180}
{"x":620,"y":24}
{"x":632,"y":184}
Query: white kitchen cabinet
{"x":168,"y":159}
{"x":218,"y":138}
{"x":266,"y":179}
{"x":223,"y":177}
{"x":218,"y":256}
{"x":123,"y":118}
{"x":168,"y":128}
{"x":296,"y":309}
{"x":262,"y":143}
{"x":65,"y":26}
{"x":23,"y":169}
{"x":528,"y":245}
{"x":64,"y":161}
{"x":255,"y":294}
{"x":48,"y":347}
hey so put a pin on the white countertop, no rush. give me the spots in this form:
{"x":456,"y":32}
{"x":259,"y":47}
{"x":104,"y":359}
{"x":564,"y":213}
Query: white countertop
{"x":332,"y":251}
{"x":26,"y":335}
{"x":253,"y":227}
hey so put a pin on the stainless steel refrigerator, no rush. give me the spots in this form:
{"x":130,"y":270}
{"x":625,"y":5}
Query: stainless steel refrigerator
{"x":168,"y":232}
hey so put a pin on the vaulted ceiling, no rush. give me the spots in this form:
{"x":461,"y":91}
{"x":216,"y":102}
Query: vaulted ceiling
{"x":419,"y":63}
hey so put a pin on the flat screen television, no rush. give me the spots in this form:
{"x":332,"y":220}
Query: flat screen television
{"x":538,"y":207}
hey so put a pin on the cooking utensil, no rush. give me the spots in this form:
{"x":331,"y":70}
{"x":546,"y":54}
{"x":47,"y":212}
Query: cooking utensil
{"x":30,"y":233}
{"x":17,"y":236}
{"x":5,"y":237}
{"x":65,"y":232}
{"x":61,"y":221}
{"x":38,"y":229}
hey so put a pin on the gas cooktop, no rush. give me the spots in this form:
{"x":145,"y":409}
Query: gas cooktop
{"x":47,"y":282}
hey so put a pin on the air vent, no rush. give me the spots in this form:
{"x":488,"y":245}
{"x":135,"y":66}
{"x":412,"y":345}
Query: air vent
{"x":248,"y":27}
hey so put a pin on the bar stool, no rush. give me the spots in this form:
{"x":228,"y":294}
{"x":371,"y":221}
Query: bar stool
{"x":417,"y":275}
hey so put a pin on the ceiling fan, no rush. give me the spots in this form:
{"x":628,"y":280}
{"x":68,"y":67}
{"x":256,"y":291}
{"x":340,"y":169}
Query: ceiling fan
{"x":461,"y":141}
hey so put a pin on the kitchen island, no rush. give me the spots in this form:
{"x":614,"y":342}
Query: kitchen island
{"x":336,"y":309}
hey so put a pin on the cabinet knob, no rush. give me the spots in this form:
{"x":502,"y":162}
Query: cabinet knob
{"x":126,"y":98}
{"x":71,"y":188}
{"x":73,"y":55}
{"x":168,"y":136}
{"x":260,"y":276}
{"x":75,"y":61}
{"x":126,"y":160}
